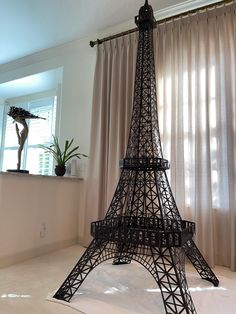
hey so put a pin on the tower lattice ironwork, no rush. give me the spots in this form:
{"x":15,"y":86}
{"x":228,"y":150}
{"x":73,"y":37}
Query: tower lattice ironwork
{"x":143,"y":222}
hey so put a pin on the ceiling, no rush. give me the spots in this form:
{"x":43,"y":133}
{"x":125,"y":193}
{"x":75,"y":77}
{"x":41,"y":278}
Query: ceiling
{"x":29,"y":26}
{"x":31,"y":84}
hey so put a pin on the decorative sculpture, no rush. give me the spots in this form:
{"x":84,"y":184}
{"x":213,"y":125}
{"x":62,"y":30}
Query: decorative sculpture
{"x":143,"y":222}
{"x":20,"y":115}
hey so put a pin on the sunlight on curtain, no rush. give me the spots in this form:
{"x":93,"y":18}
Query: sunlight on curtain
{"x":195,"y":66}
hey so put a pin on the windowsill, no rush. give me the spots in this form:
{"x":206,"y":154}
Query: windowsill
{"x":40,"y":176}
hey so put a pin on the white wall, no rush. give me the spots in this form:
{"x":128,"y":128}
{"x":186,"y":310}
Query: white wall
{"x":78,"y":62}
{"x":38,"y":215}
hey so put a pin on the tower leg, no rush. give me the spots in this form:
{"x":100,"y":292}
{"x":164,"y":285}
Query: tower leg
{"x":95,"y":254}
{"x":168,"y":271}
{"x":200,"y":264}
{"x":165,"y":264}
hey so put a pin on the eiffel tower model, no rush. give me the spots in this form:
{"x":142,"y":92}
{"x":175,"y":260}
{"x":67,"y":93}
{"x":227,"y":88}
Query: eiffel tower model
{"x":143,"y":222}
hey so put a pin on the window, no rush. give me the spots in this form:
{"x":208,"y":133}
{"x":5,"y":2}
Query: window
{"x":40,"y":132}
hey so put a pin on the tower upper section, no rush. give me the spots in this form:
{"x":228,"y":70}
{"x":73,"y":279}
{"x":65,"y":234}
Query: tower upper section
{"x":144,"y":138}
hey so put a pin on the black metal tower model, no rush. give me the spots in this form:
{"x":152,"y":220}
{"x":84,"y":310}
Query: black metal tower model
{"x":143,"y":222}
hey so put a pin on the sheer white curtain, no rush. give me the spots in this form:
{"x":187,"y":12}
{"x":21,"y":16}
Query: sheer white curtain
{"x":196,"y":68}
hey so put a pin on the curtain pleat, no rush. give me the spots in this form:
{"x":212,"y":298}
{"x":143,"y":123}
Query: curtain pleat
{"x":195,"y":59}
{"x":111,"y":114}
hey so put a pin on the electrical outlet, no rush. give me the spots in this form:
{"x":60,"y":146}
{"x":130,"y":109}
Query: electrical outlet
{"x":43,"y":230}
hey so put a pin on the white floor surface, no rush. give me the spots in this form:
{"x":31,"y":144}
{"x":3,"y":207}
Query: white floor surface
{"x":124,"y":289}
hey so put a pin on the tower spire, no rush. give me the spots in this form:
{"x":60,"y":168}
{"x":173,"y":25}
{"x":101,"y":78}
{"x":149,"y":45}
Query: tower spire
{"x":145,"y":18}
{"x":143,"y":222}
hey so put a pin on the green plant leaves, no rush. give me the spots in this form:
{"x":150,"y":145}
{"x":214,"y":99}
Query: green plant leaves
{"x":61,"y":157}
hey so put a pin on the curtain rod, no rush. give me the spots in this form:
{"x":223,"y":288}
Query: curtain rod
{"x":194,"y":11}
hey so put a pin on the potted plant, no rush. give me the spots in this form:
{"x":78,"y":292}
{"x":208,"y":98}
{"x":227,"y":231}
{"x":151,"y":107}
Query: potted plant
{"x":61,"y":157}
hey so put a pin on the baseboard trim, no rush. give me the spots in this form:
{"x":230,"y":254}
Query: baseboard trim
{"x":35,"y":252}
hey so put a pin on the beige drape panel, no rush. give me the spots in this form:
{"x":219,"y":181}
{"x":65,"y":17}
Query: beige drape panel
{"x":196,"y":68}
{"x":111,"y":114}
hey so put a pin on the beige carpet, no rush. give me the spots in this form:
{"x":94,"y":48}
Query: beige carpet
{"x":130,"y":289}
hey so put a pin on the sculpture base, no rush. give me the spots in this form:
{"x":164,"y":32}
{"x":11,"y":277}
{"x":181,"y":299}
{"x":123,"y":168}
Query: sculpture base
{"x":19,"y":171}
